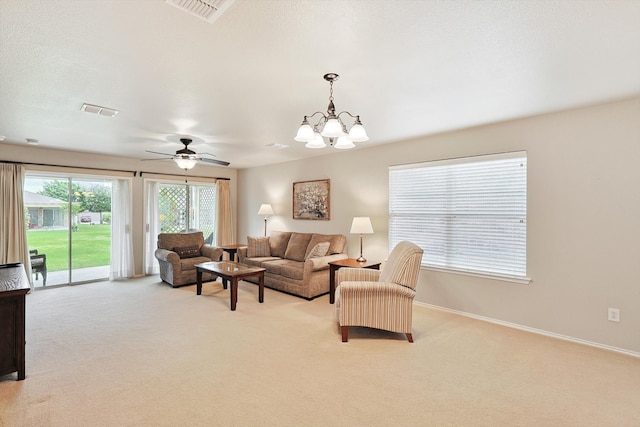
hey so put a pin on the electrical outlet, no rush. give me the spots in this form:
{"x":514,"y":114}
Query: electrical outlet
{"x":614,"y":315}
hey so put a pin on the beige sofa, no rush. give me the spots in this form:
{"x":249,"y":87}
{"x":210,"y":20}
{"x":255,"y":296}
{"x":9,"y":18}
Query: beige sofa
{"x":295,"y":263}
{"x":178,"y":253}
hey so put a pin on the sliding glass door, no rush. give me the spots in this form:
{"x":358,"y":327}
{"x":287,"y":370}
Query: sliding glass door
{"x":68,"y":228}
{"x":175,"y":208}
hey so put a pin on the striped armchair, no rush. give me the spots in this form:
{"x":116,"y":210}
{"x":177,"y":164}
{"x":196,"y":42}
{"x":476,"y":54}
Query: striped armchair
{"x":380,"y":299}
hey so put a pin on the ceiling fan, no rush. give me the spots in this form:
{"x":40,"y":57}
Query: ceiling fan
{"x":186,"y":158}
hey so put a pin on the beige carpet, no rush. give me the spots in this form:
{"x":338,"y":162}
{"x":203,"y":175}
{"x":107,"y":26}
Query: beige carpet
{"x":139,"y":353}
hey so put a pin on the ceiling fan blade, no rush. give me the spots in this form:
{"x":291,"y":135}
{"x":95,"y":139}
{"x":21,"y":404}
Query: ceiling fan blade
{"x":155,"y":152}
{"x":214,"y":161}
{"x":164,"y":158}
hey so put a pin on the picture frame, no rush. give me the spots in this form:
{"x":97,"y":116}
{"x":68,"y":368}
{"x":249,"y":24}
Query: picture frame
{"x":312,"y":200}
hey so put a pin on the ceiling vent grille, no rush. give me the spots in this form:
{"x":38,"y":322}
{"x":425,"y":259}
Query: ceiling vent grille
{"x":209,"y":10}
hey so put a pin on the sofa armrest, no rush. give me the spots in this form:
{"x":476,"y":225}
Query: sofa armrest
{"x":242,"y":254}
{"x":322,"y":262}
{"x":214,"y":253}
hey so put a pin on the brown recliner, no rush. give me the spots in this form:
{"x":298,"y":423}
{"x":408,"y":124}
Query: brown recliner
{"x":178,"y":253}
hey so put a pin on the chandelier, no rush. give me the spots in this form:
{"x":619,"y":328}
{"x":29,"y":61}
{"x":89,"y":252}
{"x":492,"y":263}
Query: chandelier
{"x":331,"y":126}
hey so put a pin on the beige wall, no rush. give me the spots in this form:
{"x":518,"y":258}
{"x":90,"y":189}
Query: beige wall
{"x":583,"y":217}
{"x":25,"y":153}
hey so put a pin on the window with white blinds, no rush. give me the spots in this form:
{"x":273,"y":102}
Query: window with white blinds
{"x":468,"y":214}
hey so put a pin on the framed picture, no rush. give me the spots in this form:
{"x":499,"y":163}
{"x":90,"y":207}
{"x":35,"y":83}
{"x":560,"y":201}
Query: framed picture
{"x":311,"y":200}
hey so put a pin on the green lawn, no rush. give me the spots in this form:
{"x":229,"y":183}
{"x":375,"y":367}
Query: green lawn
{"x":91,"y":246}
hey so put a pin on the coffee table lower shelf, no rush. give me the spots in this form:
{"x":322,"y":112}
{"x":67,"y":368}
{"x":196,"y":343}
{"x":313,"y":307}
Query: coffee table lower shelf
{"x":232,"y":272}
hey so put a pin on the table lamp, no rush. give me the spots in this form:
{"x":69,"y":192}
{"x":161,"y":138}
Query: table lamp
{"x":266,"y":210}
{"x":361,"y":225}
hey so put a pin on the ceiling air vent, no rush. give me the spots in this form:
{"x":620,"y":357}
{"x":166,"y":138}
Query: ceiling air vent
{"x":209,"y":10}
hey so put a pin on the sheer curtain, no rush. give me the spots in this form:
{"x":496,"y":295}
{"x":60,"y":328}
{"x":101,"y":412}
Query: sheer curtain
{"x":224,"y":225}
{"x":121,"y":239}
{"x":13,"y":231}
{"x":153,"y":229}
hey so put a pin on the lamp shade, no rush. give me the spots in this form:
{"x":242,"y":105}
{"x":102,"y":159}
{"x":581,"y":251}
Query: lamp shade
{"x":332,"y":129}
{"x":265,"y":209}
{"x":316,"y":142}
{"x":305,"y":133}
{"x":361,"y":225}
{"x":357,"y":133}
{"x":344,"y":143}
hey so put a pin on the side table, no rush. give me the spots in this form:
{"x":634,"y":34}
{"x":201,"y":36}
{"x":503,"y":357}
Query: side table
{"x":232,"y":250}
{"x":348,"y":262}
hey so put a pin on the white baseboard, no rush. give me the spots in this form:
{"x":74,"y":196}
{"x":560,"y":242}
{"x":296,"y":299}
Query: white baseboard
{"x":529,"y":329}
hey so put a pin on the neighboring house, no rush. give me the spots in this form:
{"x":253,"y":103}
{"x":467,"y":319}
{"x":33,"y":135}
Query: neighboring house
{"x":44,"y":211}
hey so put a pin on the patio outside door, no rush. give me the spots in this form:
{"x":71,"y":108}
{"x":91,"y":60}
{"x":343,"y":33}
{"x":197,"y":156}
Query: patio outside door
{"x":69,"y":222}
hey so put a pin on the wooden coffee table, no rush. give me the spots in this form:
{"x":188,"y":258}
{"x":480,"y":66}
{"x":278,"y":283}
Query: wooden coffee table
{"x":348,"y":262}
{"x":233,"y":272}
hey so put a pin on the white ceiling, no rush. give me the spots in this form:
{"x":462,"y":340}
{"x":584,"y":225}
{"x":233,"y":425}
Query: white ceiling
{"x":408,"y":68}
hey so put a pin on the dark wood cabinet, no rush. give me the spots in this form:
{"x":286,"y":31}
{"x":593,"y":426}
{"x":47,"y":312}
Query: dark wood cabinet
{"x":14,"y":286}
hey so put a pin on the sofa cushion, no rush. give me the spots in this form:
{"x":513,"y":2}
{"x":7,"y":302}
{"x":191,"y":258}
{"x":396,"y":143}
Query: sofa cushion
{"x":258,"y":247}
{"x":273,"y":266}
{"x":278,"y":242}
{"x":258,"y":262}
{"x":297,"y":247}
{"x":187,"y":251}
{"x":336,"y":243}
{"x":320,"y":249}
{"x":292,"y":269}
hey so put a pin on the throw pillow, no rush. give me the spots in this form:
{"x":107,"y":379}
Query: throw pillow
{"x":187,"y":251}
{"x":297,"y":247}
{"x":258,"y":247}
{"x":319,"y":250}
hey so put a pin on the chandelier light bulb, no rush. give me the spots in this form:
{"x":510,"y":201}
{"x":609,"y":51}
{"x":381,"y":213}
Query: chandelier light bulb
{"x":316,"y":142}
{"x":332,"y":129}
{"x":344,"y":143}
{"x":357,"y":133}
{"x":305,"y":132}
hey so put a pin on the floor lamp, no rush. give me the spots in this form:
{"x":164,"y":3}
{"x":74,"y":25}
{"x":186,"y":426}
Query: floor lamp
{"x":361,"y":225}
{"x":266,"y":210}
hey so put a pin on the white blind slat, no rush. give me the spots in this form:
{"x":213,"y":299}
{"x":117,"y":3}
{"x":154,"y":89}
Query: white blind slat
{"x":467,"y":214}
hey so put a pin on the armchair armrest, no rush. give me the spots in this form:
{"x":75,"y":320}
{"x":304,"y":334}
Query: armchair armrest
{"x":167,"y":256}
{"x":373,"y":290}
{"x":346,"y":274}
{"x":211,"y":252}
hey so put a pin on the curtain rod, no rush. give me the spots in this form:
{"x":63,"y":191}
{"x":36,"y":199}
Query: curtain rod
{"x":185,"y":176}
{"x":65,"y":166}
{"x":135,"y":173}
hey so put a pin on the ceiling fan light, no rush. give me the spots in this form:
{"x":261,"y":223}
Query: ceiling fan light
{"x":357,"y":133}
{"x":344,"y":143}
{"x":316,"y":142}
{"x":332,"y":129}
{"x":185,"y":162}
{"x":305,"y":133}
